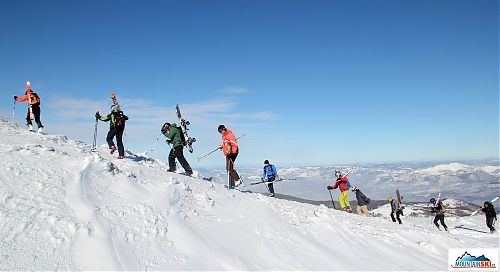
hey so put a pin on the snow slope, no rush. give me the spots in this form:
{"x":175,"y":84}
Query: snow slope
{"x":64,"y":207}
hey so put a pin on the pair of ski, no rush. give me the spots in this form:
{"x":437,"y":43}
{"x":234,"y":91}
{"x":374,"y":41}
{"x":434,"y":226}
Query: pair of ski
{"x":479,"y":209}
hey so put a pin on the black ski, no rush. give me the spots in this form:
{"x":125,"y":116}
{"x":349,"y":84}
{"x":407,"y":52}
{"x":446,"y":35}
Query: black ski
{"x":184,"y":123}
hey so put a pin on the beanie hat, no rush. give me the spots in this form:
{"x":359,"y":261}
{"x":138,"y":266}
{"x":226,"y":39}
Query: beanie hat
{"x":220,"y":128}
{"x":266,"y":162}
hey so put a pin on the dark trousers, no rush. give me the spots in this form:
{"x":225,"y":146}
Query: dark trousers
{"x":440,"y":217}
{"x":270,"y":184}
{"x":490,"y":221}
{"x":36,"y":113}
{"x":398,"y":213}
{"x":118,"y":132}
{"x":178,"y":152}
{"x":232,"y":174}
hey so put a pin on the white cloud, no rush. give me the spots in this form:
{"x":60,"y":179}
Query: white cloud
{"x":234,"y":90}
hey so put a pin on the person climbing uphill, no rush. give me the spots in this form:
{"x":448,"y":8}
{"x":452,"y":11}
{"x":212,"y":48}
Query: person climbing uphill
{"x":342,"y":183}
{"x":116,"y":128}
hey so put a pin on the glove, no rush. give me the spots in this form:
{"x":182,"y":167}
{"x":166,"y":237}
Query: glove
{"x":220,"y":146}
{"x":329,"y":187}
{"x":15,"y":97}
{"x":169,"y":141}
{"x":97,"y":115}
{"x":280,"y":179}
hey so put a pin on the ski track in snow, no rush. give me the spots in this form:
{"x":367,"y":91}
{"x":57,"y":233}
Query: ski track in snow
{"x":63,"y":207}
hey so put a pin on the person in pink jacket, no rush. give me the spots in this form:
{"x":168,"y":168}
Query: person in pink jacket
{"x":230,"y":149}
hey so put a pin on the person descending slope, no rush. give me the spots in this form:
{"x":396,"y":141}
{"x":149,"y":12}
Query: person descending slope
{"x":174,"y":136}
{"x":270,"y":175}
{"x":363,"y":201}
{"x":491,"y":215}
{"x":343,"y":184}
{"x":230,"y":149}
{"x":34,"y":103}
{"x":440,"y":210}
{"x":395,"y":209}
{"x":116,"y":128}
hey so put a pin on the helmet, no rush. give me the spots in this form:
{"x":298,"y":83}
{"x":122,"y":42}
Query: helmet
{"x":433,"y":201}
{"x":487,"y":203}
{"x":338,"y":173}
{"x":389,"y":199}
{"x":266,"y":162}
{"x":220,"y":128}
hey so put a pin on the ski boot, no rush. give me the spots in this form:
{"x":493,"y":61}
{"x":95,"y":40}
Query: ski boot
{"x":30,"y":127}
{"x":112,"y":150}
{"x":271,"y":194}
{"x":120,"y":157}
{"x":188,"y":173}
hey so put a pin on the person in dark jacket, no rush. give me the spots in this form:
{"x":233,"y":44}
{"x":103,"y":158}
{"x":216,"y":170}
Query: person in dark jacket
{"x":395,"y":209}
{"x":491,"y":215}
{"x":116,"y":128}
{"x":173,"y":134}
{"x":270,"y":175}
{"x":440,"y":210}
{"x":363,"y":201}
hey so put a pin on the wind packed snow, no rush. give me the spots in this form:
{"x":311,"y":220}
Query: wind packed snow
{"x":63,"y":207}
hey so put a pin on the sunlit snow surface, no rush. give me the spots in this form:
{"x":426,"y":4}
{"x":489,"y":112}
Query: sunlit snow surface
{"x":63,"y":207}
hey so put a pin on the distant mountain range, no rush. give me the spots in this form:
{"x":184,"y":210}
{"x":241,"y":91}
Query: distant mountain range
{"x":473,"y":182}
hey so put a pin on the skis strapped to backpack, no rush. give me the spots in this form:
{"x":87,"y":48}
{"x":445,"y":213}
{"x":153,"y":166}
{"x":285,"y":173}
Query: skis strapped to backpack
{"x":28,"y":92}
{"x":400,"y":201}
{"x":186,"y":140}
{"x":491,"y":201}
{"x":115,"y":100}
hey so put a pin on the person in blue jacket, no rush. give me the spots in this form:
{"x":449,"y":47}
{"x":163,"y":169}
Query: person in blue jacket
{"x":269,"y":176}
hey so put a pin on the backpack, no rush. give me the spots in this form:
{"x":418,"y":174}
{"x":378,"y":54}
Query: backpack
{"x":269,"y":171}
{"x":347,"y":184}
{"x":183,"y":139}
{"x":34,"y":98}
{"x":119,"y":119}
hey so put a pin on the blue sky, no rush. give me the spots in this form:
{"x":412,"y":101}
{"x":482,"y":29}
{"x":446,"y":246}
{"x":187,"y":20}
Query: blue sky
{"x":310,"y":82}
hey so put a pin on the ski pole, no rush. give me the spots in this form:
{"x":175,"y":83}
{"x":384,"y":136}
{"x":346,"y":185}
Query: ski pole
{"x":206,"y":155}
{"x":209,"y":153}
{"x":14,"y":112}
{"x":94,"y":143}
{"x":330,"y":191}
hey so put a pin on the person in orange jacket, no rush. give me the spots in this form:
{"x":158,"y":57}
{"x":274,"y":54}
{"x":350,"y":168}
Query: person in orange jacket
{"x":35,"y":108}
{"x":230,"y":149}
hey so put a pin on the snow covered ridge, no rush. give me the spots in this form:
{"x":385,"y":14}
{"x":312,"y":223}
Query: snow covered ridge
{"x":63,"y":207}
